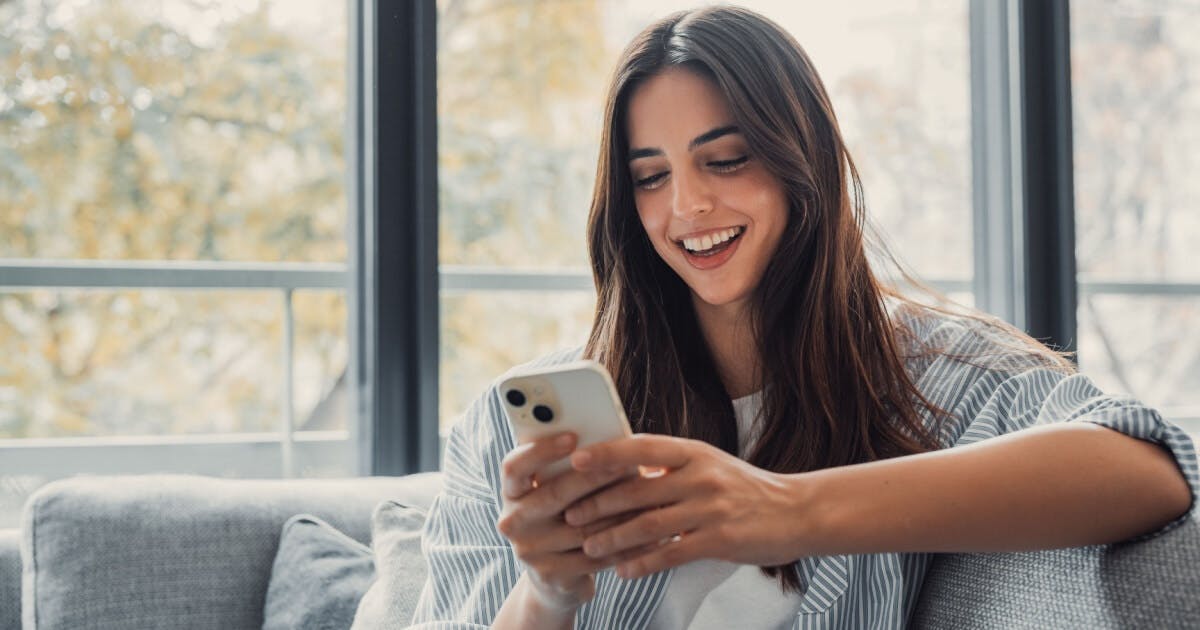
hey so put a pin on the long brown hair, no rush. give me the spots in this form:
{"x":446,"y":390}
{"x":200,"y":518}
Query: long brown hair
{"x":838,"y":392}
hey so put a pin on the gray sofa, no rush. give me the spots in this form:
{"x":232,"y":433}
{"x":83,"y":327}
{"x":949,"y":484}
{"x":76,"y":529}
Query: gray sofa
{"x":193,"y":552}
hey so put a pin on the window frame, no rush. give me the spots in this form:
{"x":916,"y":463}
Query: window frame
{"x":1023,"y":186}
{"x":246,"y":454}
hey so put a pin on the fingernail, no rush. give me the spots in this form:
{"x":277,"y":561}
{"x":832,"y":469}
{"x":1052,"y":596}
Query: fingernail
{"x":571,"y":516}
{"x":623,"y":571}
{"x":581,"y":459}
{"x":564,"y":441}
{"x":591,"y":548}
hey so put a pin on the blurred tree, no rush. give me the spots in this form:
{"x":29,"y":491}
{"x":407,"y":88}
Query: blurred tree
{"x":1135,"y":74}
{"x":182,"y":130}
{"x":520,"y":92}
{"x":520,"y":88}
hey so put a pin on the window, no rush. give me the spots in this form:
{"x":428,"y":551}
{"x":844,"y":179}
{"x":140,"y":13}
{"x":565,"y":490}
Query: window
{"x":1136,"y":86}
{"x":174,"y":249}
{"x":172,"y":239}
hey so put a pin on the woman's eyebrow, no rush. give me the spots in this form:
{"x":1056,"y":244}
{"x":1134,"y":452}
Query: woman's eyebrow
{"x":707,"y":136}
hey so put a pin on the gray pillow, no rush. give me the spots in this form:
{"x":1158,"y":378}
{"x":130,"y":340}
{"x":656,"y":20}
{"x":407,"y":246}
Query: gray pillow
{"x":318,"y":578}
{"x":399,"y":566}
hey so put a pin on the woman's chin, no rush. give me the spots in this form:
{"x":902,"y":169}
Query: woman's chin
{"x":718,"y":297}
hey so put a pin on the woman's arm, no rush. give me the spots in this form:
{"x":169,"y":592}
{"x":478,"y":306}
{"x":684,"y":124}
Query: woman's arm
{"x":1054,"y":485}
{"x":1036,"y":459}
{"x":1049,"y":486}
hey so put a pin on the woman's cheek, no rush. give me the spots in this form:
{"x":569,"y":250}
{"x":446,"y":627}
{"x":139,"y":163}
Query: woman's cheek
{"x":654,"y":222}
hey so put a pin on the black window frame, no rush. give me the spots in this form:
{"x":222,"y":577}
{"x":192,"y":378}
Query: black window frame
{"x":394,"y":229}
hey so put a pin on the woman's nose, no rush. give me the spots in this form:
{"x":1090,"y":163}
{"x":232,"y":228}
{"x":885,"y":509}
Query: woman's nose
{"x":692,"y":196}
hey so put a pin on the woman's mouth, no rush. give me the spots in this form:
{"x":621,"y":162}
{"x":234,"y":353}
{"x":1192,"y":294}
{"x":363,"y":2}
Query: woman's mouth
{"x":711,"y":244}
{"x":713,"y":249}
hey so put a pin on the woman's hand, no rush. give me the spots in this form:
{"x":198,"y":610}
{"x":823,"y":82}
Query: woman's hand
{"x":709,"y":503}
{"x":532,"y":519}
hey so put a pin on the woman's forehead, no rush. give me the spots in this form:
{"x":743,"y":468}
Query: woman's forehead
{"x":672,"y":107}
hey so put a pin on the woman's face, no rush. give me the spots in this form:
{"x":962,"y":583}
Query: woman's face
{"x":712,"y":210}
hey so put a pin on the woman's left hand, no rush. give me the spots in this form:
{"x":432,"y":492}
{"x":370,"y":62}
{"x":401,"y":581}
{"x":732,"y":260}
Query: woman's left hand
{"x":708,"y":504}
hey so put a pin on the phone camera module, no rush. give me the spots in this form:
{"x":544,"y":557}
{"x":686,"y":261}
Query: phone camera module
{"x":515,"y":397}
{"x":543,"y":413}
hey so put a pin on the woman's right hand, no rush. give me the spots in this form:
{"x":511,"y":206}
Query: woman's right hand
{"x":561,"y":575}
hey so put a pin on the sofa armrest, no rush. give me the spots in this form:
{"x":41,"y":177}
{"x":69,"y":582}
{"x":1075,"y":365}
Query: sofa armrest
{"x":176,"y":551}
{"x":1148,"y":584}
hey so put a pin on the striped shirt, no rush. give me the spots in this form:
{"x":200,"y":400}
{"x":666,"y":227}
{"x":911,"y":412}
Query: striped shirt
{"x":473,"y":567}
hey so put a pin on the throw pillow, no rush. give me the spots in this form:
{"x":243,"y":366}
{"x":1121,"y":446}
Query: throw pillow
{"x":318,"y":578}
{"x":399,"y":566}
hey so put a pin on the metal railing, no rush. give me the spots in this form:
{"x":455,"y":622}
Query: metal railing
{"x":222,"y":451}
{"x":276,"y":453}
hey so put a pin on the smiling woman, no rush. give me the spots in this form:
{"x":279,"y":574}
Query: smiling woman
{"x":821,"y":432}
{"x":520,"y":105}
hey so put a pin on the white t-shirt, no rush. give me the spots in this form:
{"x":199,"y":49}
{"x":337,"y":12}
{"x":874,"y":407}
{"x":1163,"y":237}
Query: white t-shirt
{"x":711,"y":594}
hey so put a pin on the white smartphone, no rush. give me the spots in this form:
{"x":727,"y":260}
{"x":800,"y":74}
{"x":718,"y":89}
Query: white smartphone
{"x":579,"y":397}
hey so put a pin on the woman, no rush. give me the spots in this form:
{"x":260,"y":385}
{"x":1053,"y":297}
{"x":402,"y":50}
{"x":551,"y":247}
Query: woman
{"x":802,"y":410}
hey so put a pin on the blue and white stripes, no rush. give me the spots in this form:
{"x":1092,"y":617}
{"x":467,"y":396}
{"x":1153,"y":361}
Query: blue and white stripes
{"x":472,"y":568}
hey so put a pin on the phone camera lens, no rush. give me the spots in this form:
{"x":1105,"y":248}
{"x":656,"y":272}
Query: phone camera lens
{"x":515,"y":397}
{"x":543,"y":413}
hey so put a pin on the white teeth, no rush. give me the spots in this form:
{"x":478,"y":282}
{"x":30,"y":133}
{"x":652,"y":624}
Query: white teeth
{"x":708,"y":241}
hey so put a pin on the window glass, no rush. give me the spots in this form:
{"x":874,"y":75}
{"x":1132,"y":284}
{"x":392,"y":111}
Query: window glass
{"x":172,"y":129}
{"x":1136,"y":90}
{"x":103,"y":363}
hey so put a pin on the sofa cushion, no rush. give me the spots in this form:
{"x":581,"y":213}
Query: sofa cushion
{"x":1149,"y":584}
{"x":318,"y":578}
{"x":399,"y":566}
{"x":176,"y":551}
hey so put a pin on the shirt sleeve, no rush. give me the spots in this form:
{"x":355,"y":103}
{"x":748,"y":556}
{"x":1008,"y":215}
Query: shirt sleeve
{"x":995,"y":402}
{"x":472,"y":567}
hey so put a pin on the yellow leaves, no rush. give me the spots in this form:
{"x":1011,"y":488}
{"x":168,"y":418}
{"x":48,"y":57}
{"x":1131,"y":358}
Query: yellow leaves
{"x":107,"y":348}
{"x":68,"y":422}
{"x":50,"y":350}
{"x":122,"y":124}
{"x":130,"y":88}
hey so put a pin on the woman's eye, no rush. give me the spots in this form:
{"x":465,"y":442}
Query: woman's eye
{"x":651,"y":182}
{"x":726,"y":166}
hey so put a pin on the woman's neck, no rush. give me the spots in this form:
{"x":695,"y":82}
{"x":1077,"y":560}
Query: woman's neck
{"x":728,"y":331}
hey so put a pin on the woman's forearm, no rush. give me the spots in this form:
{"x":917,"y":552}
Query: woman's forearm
{"x":523,"y":610}
{"x":1059,"y":485}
